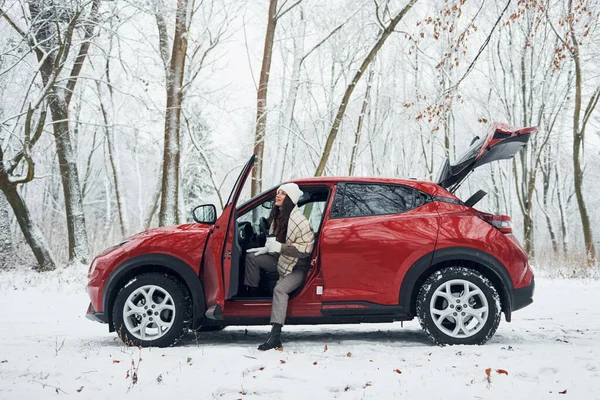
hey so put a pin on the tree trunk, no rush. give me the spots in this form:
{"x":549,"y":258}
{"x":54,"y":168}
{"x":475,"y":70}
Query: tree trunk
{"x":526,"y":200}
{"x":496,"y":193}
{"x":288,"y":114}
{"x":546,"y":190}
{"x":261,"y":100}
{"x":578,"y":179}
{"x":114,"y":164}
{"x":7,"y":251}
{"x":578,"y":141}
{"x":563,"y":218}
{"x":359,"y":126}
{"x":350,"y":88}
{"x":33,"y":235}
{"x":169,"y":200}
{"x":76,"y":229}
{"x":50,"y":67}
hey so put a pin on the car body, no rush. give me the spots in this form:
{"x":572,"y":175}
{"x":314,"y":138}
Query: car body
{"x":385,"y":250}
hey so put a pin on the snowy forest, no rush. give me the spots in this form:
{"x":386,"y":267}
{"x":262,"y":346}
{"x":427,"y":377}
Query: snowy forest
{"x":121,"y":115}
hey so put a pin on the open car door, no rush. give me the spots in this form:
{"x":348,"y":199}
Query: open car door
{"x":219,"y":249}
{"x":502,"y":143}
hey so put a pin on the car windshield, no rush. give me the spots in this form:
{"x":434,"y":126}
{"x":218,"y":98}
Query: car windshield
{"x":238,"y":181}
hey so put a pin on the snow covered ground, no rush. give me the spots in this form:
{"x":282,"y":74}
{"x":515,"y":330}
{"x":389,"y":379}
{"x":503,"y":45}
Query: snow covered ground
{"x":48,"y":349}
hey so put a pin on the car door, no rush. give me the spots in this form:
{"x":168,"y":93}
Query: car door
{"x":219,"y":249}
{"x":375,"y":232}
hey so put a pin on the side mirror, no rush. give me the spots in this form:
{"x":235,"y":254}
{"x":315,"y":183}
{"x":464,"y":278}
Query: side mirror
{"x":205,"y":214}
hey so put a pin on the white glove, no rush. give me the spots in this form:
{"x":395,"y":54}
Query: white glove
{"x":273,"y":246}
{"x":258,"y":251}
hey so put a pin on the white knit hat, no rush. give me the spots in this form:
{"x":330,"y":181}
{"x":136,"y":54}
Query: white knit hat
{"x":292,"y":190}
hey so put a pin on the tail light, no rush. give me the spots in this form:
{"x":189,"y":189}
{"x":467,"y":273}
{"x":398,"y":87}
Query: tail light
{"x":500,"y":222}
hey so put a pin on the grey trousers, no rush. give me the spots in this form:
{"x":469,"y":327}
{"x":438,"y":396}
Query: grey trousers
{"x":284,"y":287}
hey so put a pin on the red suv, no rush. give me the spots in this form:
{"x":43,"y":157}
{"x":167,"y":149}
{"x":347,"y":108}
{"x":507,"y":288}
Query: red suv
{"x":385,"y":250}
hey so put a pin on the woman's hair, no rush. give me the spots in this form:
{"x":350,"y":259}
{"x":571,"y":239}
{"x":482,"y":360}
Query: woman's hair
{"x":279,"y":218}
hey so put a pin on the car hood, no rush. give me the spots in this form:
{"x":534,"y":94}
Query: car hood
{"x":170,"y":230}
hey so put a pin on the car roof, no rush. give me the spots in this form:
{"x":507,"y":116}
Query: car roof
{"x":425,"y":186}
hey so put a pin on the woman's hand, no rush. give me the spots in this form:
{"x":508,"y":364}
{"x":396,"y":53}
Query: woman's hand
{"x":273,"y":246}
{"x":258,"y":251}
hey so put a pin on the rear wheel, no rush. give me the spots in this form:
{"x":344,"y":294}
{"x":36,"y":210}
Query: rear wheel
{"x":458,"y":305}
{"x":152,"y":310}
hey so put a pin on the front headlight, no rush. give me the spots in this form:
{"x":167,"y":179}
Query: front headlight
{"x":114,"y":246}
{"x":92,"y":267}
{"x":108,"y":249}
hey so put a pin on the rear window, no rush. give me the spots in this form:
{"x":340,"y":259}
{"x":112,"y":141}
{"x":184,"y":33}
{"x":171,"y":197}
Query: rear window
{"x":359,"y":200}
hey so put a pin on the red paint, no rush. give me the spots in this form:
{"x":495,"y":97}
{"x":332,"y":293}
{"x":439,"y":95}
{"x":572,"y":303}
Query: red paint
{"x":212,"y":267}
{"x":185,"y":242}
{"x":362,"y":258}
{"x":462,"y":226}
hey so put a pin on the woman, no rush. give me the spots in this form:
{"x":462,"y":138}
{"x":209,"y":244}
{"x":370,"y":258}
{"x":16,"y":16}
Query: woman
{"x":288,"y":253}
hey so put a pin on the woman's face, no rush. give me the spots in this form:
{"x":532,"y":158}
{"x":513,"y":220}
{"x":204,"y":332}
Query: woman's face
{"x":279,"y":198}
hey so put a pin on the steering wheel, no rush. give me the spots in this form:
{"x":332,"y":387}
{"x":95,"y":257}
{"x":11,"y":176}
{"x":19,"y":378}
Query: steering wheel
{"x":263,"y":230}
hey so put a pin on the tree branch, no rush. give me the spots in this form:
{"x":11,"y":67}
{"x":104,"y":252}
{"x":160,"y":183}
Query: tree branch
{"x":28,"y":177}
{"x":163,"y":40}
{"x":323,"y":41}
{"x":28,"y":146}
{"x":13,"y":24}
{"x":481,"y":49}
{"x":83,"y":51}
{"x":590,"y":109}
{"x":205,"y":159}
{"x":282,"y":13}
{"x":350,"y":88}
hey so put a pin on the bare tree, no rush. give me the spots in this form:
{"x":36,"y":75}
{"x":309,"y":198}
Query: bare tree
{"x":9,"y":187}
{"x":216,"y":18}
{"x":169,"y":200}
{"x":385,"y":33}
{"x":359,"y":125}
{"x":261,"y":99}
{"x":50,"y":33}
{"x":274,"y":14}
{"x":7,"y":251}
{"x":578,"y":21}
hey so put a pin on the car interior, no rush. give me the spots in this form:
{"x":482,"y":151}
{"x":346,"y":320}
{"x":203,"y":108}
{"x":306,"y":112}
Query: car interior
{"x":253,"y":229}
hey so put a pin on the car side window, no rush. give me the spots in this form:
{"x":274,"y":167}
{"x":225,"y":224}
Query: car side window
{"x":358,"y":200}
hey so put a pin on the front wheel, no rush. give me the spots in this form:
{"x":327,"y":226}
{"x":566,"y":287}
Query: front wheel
{"x":152,"y":310}
{"x":458,"y":305}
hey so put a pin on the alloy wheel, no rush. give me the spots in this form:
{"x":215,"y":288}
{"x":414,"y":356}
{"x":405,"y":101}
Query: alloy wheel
{"x":149,"y":312}
{"x":459,"y":308}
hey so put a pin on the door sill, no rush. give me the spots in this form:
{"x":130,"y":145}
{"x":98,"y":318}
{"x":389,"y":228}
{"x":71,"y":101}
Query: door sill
{"x":251,"y":299}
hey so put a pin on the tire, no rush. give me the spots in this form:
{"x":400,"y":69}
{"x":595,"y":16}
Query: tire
{"x":152,"y":310}
{"x":441,"y":307}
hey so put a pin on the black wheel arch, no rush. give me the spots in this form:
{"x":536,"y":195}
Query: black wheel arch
{"x":155,"y":263}
{"x":475,"y":259}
